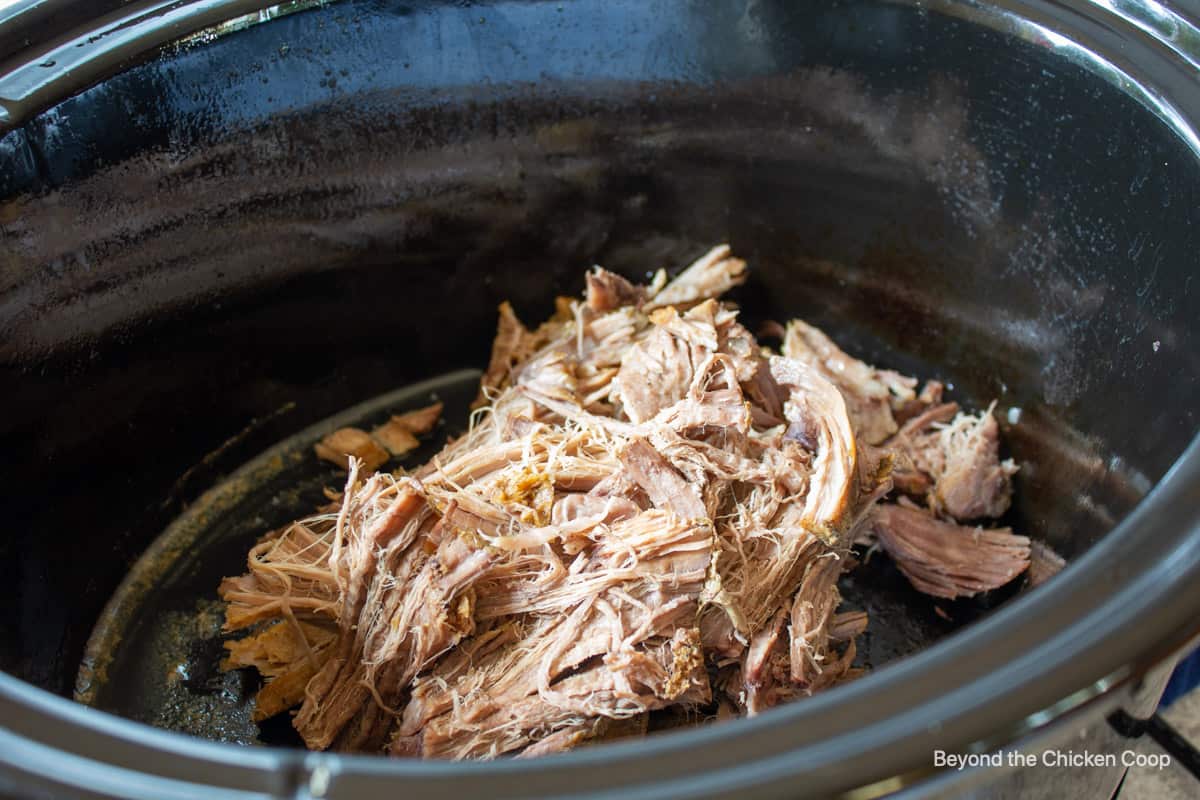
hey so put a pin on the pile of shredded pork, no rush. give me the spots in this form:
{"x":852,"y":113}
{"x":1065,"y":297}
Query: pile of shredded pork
{"x":650,"y":511}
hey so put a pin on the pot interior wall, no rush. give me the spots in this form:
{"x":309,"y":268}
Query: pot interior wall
{"x":216,"y":248}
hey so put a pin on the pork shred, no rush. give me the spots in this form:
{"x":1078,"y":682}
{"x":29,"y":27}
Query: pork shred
{"x":944,"y":559}
{"x":649,"y":514}
{"x":396,"y":437}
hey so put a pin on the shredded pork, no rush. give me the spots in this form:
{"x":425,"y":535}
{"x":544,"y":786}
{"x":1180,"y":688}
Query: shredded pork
{"x":649,"y":512}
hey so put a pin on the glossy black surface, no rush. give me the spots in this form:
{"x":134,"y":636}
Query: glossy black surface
{"x":321,"y":208}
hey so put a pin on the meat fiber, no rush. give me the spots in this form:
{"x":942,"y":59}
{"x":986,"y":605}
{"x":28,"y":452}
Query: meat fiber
{"x":288,"y":654}
{"x":396,"y":437}
{"x":973,"y":482}
{"x":399,"y":434}
{"x":347,"y":443}
{"x":870,"y":394}
{"x":711,"y":275}
{"x":607,"y":291}
{"x":943,"y":559}
{"x":952,"y":460}
{"x":649,"y":514}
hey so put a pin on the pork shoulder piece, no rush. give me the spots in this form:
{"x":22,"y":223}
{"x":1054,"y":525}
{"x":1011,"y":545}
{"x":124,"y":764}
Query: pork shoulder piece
{"x":610,"y":637}
{"x":811,"y":614}
{"x":277,"y":647}
{"x":399,"y":434}
{"x":496,"y":706}
{"x":918,"y":448}
{"x":430,"y":696}
{"x":930,"y":395}
{"x":509,"y":347}
{"x":653,"y":376}
{"x":607,"y":291}
{"x":947,"y":560}
{"x":346,"y":443}
{"x":711,"y":275}
{"x":514,"y":344}
{"x":287,"y":574}
{"x":348,"y":704}
{"x":372,"y":515}
{"x":801,"y":498}
{"x":953,"y":459}
{"x":662,"y":482}
{"x":657,"y":371}
{"x":655,"y":561}
{"x":551,"y":372}
{"x":286,"y":690}
{"x":396,"y":439}
{"x":846,"y":626}
{"x":870,"y":393}
{"x":817,"y":418}
{"x":376,"y":526}
{"x":288,"y":654}
{"x":385,"y":636}
{"x":795,"y":655}
{"x":714,"y":410}
{"x":975,"y":482}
